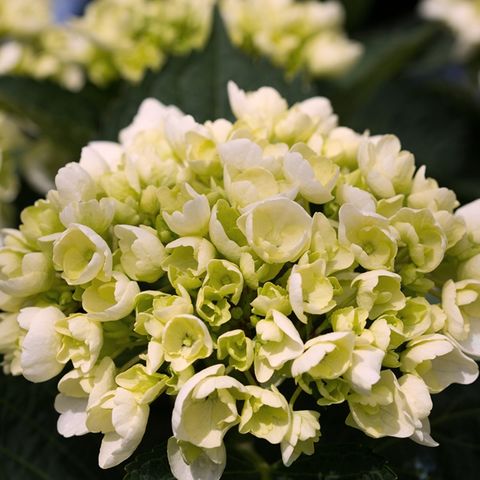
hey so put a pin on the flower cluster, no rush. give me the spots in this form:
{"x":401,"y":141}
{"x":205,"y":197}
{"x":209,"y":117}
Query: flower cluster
{"x":114,"y":38}
{"x":294,"y":35}
{"x":124,"y":38}
{"x":461,"y":16}
{"x":235,"y":266}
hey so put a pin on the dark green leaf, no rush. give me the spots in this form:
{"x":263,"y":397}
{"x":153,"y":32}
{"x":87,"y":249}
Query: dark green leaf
{"x":151,"y":465}
{"x":338,"y":462}
{"x":197,"y":84}
{"x":356,"y":11}
{"x":64,"y":117}
{"x":330,"y":462}
{"x":154,"y":465}
{"x":31,"y":448}
{"x":387,"y":52}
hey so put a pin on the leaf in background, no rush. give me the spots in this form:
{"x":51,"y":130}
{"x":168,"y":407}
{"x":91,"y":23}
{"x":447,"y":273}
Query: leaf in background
{"x":387,"y":52}
{"x":356,"y":12}
{"x":64,"y":117}
{"x":330,"y":462}
{"x":339,"y":462}
{"x":31,"y":448}
{"x":152,"y":465}
{"x":7,"y":215}
{"x":197,"y":84}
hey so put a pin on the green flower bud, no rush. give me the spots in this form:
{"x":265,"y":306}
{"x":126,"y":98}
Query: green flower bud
{"x":145,"y":386}
{"x":40,"y":220}
{"x":95,"y":214}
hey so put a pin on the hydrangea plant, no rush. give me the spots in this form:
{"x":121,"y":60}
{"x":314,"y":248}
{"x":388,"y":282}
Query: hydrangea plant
{"x":114,"y":38}
{"x":125,"y":38}
{"x":228,"y":265}
{"x":294,"y":35}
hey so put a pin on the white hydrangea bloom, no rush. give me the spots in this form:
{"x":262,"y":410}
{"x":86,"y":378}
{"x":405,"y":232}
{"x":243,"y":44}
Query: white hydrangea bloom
{"x":225,"y":263}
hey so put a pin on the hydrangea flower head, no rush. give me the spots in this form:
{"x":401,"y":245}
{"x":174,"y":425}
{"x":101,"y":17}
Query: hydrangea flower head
{"x":235,"y":266}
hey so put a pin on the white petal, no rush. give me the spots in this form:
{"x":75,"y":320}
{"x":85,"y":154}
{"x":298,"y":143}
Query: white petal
{"x":41,"y":343}
{"x":365,"y":369}
{"x":209,"y":465}
{"x":73,"y":415}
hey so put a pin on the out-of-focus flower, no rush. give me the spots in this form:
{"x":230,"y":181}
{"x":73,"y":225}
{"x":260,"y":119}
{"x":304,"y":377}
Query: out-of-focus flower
{"x":460,"y":16}
{"x":294,"y":35}
{"x":113,"y":38}
{"x":125,"y":38}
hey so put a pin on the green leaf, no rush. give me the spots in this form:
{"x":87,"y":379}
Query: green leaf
{"x":151,"y":465}
{"x":339,"y":462}
{"x":65,"y":117}
{"x":357,"y":11}
{"x":197,"y":84}
{"x":330,"y":462}
{"x":387,"y":52}
{"x":30,"y":447}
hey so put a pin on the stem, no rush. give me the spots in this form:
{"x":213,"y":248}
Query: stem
{"x":308,"y":330}
{"x":262,"y":467}
{"x":24,"y":463}
{"x":130,"y":363}
{"x":295,"y":395}
{"x":250,"y":378}
{"x":436,"y":292}
{"x":325,"y":324}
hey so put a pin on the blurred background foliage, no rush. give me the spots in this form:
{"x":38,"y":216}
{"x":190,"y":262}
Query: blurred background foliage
{"x":407,"y":83}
